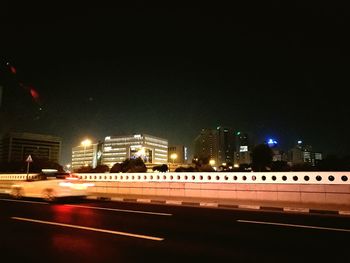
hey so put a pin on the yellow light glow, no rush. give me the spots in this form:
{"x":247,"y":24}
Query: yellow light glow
{"x":212,"y":162}
{"x":86,"y":142}
{"x":173,"y":156}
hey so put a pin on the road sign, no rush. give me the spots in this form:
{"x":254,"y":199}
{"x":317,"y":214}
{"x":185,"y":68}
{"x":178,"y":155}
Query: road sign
{"x":29,"y":159}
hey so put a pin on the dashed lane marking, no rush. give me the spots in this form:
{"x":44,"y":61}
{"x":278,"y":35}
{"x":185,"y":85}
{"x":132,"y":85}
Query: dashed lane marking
{"x":121,"y":210}
{"x":24,"y":201}
{"x":89,"y":228}
{"x":293,"y":225}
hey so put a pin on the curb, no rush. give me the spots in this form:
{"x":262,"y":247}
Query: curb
{"x":225,"y":206}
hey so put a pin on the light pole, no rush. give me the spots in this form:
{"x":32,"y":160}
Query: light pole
{"x":212,"y":162}
{"x":85,"y":143}
{"x":173,"y":156}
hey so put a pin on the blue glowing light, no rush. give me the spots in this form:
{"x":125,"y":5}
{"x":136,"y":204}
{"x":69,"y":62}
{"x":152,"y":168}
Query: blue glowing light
{"x":271,"y":142}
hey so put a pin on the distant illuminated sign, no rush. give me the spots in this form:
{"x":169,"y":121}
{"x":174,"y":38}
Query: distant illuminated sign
{"x":185,"y":153}
{"x":271,"y":142}
{"x":137,"y":136}
{"x":243,"y":148}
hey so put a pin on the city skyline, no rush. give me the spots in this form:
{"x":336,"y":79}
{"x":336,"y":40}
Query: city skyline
{"x":92,"y":71}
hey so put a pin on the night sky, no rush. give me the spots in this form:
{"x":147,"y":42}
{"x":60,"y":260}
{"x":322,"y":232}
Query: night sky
{"x":96,"y":70}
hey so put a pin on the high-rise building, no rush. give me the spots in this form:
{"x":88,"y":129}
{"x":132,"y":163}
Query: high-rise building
{"x":226,"y":145}
{"x":302,"y":153}
{"x":178,"y":154}
{"x":243,"y":149}
{"x":17,"y":146}
{"x":87,"y":155}
{"x":151,"y":149}
{"x":206,"y":145}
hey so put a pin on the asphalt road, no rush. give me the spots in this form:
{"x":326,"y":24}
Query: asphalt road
{"x":100,"y":231}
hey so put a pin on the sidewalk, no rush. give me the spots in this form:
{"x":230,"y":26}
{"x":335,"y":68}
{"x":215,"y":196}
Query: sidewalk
{"x":229,"y":203}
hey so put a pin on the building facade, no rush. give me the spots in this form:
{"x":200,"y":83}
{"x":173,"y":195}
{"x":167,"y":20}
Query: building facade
{"x":205,"y":145}
{"x":151,"y":149}
{"x":178,"y":154}
{"x":87,"y":155}
{"x":226,"y":145}
{"x":17,"y":146}
{"x":243,"y":149}
{"x":302,"y":153}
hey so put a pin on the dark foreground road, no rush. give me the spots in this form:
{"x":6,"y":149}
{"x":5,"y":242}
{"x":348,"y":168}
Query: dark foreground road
{"x":97,"y":231}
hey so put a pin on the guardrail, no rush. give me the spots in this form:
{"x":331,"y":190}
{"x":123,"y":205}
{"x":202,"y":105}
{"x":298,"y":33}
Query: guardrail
{"x":211,"y":177}
{"x":215,"y":177}
{"x":297,"y":187}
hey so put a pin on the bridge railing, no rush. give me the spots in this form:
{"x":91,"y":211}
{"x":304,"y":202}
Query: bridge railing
{"x":211,"y":177}
{"x":232,"y":177}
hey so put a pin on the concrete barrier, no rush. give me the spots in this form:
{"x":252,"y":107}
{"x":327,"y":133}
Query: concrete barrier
{"x":299,"y":187}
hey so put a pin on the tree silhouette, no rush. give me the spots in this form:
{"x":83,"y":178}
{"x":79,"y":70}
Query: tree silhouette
{"x":261,"y":158}
{"x":129,"y":166}
{"x":161,"y":168}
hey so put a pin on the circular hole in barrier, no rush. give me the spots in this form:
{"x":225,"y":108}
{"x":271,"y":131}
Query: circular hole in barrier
{"x":235,"y":177}
{"x":186,"y":177}
{"x":201,"y":177}
{"x":139,"y":177}
{"x":344,"y":178}
{"x":151,"y":177}
{"x":217,"y":177}
{"x":295,"y":178}
{"x":244,"y":177}
{"x":254,"y":178}
{"x":331,"y":178}
{"x":127,"y":177}
{"x":164,"y":177}
{"x":133,"y":177}
{"x":171,"y":177}
{"x":193,"y":177}
{"x":263,"y":177}
{"x":284,"y":178}
{"x":273,"y":178}
{"x":178,"y":177}
{"x":306,"y":178}
{"x":158,"y":177}
{"x":145,"y":177}
{"x":209,"y":177}
{"x":319,"y":178}
{"x":226,"y":177}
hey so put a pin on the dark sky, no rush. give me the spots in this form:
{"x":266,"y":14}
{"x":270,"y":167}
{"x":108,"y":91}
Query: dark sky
{"x":269,"y":69}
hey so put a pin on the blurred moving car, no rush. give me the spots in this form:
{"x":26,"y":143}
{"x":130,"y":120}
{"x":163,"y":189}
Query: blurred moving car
{"x":51,"y":187}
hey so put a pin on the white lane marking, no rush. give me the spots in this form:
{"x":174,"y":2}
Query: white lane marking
{"x":209,"y":204}
{"x":296,"y":209}
{"x":293,"y":225}
{"x":344,"y":212}
{"x":173,"y":202}
{"x":23,"y":201}
{"x":142,"y":200}
{"x":121,"y":210}
{"x":89,"y":228}
{"x":249,"y":206}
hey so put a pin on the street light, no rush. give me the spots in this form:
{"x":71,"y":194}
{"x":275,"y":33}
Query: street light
{"x":212,"y":162}
{"x":173,"y":156}
{"x":85,"y":143}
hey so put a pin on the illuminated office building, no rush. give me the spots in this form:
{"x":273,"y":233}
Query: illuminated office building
{"x":178,"y":154}
{"x":88,"y":155}
{"x":151,"y":149}
{"x":17,"y":146}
